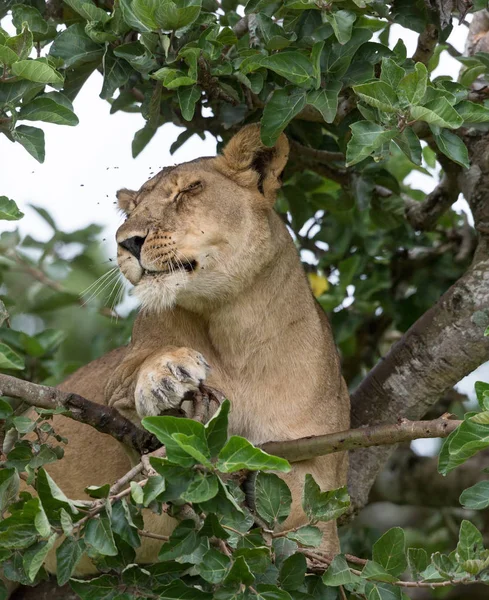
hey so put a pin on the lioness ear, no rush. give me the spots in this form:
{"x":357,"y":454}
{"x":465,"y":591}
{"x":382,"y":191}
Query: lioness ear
{"x":126,"y":200}
{"x":252,"y":163}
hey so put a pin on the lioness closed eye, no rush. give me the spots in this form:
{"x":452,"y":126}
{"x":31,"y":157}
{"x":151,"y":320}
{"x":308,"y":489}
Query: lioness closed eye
{"x":224,"y":300}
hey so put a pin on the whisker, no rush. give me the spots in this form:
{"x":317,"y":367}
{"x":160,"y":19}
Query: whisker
{"x":99,"y":280}
{"x":97,"y":292}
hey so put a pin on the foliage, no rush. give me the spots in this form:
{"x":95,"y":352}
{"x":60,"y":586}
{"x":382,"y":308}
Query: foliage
{"x":220,"y":549}
{"x":362,"y":117}
{"x":327,"y":73}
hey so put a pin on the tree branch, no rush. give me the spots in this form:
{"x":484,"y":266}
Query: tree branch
{"x":321,"y":156}
{"x":103,"y":418}
{"x":446,"y":343}
{"x":422,"y":216}
{"x":363,"y":437}
{"x":426,"y":44}
{"x":409,"y":479}
{"x":110,"y":421}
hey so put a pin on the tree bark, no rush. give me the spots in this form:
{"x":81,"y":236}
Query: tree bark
{"x":447,"y":342}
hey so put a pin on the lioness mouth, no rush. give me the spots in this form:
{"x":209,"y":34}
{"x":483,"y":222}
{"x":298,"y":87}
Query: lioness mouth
{"x":188,"y":266}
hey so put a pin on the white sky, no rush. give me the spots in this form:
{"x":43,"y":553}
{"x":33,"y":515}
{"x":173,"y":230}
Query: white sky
{"x":85,"y":165}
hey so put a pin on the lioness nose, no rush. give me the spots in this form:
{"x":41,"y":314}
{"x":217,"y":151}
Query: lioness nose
{"x":133,"y":245}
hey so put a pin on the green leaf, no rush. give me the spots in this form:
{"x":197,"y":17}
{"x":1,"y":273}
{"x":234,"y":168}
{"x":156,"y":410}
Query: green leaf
{"x":35,"y":556}
{"x":216,"y":429}
{"x":187,"y":98}
{"x":412,"y":87}
{"x":195,"y":446}
{"x":472,"y":112}
{"x":271,"y":592}
{"x":482,"y":393}
{"x":22,"y":43}
{"x":342,"y":23}
{"x":382,"y":591}
{"x":470,"y":543}
{"x":292,"y":65}
{"x":46,"y":109}
{"x":32,"y":138}
{"x":240,"y":573}
{"x":391,"y":73}
{"x":131,"y":18}
{"x":214,"y":566}
{"x":323,"y":506}
{"x":165,"y":427}
{"x":437,"y":112}
{"x":9,"y":481}
{"x":174,"y":15}
{"x":18,"y":530}
{"x":378,"y":94}
{"x":37,"y":71}
{"x":307,"y":536}
{"x":325,"y":100}
{"x":173,"y":78}
{"x":409,"y":143}
{"x":156,"y":485}
{"x":282,"y":107}
{"x":88,"y":10}
{"x":10,"y":359}
{"x":165,"y":14}
{"x":98,"y":534}
{"x":273,"y":499}
{"x":104,"y":587}
{"x":67,"y":557}
{"x":292,"y":572}
{"x":203,"y":488}
{"x":476,"y":497}
{"x":373,"y":570}
{"x":142,"y":139}
{"x":75,"y":47}
{"x":389,"y":551}
{"x":338,"y":573}
{"x":7,"y":56}
{"x":21,"y":13}
{"x":239,"y":454}
{"x":9,"y":210}
{"x":116,"y":74}
{"x":52,"y":498}
{"x":6,"y":410}
{"x":366,"y":138}
{"x":137,"y":493}
{"x":418,"y":561}
{"x":182,"y":541}
{"x":66,"y":522}
{"x":452,"y":146}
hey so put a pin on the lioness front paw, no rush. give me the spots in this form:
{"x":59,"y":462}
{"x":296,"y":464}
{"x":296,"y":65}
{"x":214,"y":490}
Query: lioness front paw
{"x":166,"y":381}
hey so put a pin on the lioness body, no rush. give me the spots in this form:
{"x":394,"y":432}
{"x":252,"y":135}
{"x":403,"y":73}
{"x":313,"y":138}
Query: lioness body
{"x":246,"y":306}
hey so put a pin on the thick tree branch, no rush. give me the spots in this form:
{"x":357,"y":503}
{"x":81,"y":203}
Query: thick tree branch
{"x":321,"y":156}
{"x":103,"y":418}
{"x":442,"y":347}
{"x":422,"y":216}
{"x":426,"y":44}
{"x":414,"y":480}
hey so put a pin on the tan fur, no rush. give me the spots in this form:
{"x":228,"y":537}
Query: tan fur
{"x":247,"y":308}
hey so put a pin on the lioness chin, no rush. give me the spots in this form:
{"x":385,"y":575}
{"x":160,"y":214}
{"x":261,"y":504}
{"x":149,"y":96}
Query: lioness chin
{"x":224,"y":300}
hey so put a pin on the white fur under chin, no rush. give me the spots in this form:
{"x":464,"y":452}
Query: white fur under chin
{"x":158,"y":295}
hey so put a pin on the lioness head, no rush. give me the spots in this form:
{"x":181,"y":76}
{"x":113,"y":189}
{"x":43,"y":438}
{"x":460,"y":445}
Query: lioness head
{"x":198,"y":232}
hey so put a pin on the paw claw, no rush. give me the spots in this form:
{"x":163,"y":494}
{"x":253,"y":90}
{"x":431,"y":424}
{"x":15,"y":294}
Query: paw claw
{"x":167,"y":381}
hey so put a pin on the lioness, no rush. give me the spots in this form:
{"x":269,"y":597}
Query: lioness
{"x":224,"y":300}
